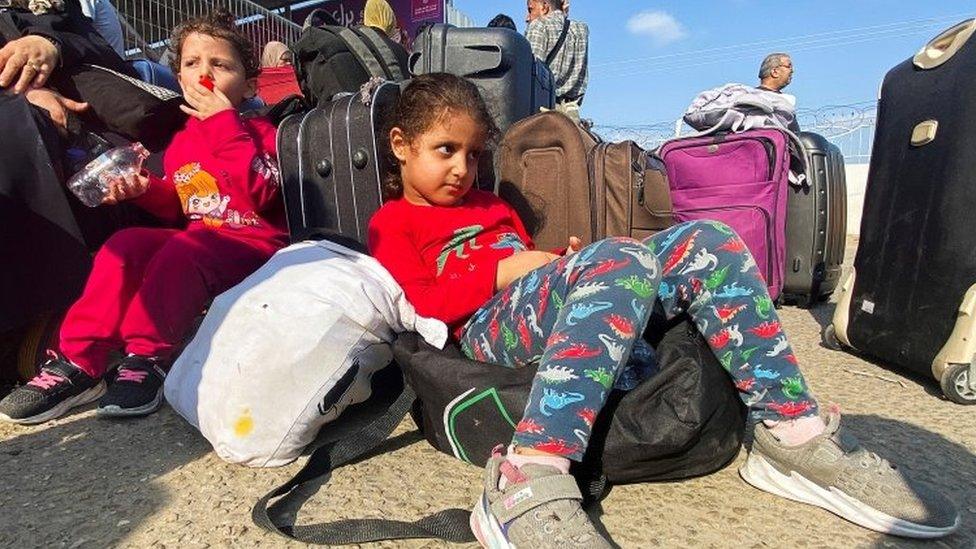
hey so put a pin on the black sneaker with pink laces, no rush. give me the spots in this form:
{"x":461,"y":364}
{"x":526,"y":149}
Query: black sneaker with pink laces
{"x":59,"y":387}
{"x":137,"y":389}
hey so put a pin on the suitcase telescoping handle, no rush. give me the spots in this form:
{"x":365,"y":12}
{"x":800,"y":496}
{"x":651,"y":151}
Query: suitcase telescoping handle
{"x":941,"y":48}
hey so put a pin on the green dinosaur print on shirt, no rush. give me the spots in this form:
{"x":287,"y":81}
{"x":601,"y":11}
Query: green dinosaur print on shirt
{"x":462,"y":236}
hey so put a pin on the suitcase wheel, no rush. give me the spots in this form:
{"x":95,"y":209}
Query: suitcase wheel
{"x":958,"y":383}
{"x":829,"y":339}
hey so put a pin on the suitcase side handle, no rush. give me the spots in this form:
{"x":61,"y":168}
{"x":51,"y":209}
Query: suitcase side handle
{"x":941,"y":48}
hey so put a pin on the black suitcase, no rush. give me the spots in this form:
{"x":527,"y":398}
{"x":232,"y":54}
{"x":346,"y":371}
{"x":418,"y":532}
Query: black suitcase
{"x":911,"y":299}
{"x":816,"y":225}
{"x":333,"y":163}
{"x":513,"y":83}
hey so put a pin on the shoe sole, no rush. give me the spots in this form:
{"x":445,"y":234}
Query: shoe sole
{"x":486,"y":527}
{"x":61,"y":408}
{"x":114,"y":410}
{"x":759,"y":473}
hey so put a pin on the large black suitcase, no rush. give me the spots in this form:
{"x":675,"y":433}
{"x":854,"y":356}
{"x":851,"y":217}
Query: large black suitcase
{"x":333,"y":163}
{"x":816,"y":224}
{"x":911,"y":299}
{"x":499,"y":61}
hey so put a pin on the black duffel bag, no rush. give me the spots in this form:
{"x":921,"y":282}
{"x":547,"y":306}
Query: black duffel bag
{"x":685,"y":421}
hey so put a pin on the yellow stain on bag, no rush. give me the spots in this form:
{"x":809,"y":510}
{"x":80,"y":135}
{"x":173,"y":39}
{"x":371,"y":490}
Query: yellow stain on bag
{"x":244,"y":424}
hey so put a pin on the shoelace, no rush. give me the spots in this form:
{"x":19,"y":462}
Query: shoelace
{"x":46,"y":380}
{"x":135,"y":376}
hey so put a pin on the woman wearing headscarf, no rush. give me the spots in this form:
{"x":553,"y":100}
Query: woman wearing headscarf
{"x":277,"y":79}
{"x":378,"y":14}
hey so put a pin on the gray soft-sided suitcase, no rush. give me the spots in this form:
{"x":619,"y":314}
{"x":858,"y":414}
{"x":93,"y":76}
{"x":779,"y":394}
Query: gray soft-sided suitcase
{"x":331,"y":170}
{"x":816,"y":225}
{"x":911,"y":298}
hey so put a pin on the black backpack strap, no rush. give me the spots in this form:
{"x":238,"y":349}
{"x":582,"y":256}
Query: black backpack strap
{"x":377,"y":43}
{"x":450,"y":524}
{"x":359,"y":47}
{"x":559,"y":43}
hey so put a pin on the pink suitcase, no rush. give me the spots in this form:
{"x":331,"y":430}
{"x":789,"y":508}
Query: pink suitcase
{"x":741,"y":180}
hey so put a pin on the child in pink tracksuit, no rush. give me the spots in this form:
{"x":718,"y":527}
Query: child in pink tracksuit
{"x":148,"y":284}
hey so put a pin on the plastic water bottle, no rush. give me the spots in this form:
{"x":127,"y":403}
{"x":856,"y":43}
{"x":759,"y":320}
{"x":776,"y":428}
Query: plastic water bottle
{"x":92,"y":183}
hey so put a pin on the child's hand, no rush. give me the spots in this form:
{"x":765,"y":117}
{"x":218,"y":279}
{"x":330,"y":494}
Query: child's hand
{"x":204,"y":103}
{"x":131,"y":186}
{"x":520,"y":264}
{"x":574,"y":246}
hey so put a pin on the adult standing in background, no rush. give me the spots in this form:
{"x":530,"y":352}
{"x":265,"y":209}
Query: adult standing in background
{"x":775,"y":73}
{"x":277,"y":79}
{"x":564,"y":46}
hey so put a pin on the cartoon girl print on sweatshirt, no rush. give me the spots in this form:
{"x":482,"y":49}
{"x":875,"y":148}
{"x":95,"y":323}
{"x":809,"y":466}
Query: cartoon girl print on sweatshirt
{"x":201,"y":199}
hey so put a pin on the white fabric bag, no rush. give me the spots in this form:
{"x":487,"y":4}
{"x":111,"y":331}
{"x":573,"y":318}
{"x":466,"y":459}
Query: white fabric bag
{"x":738,"y":107}
{"x":288,"y":349}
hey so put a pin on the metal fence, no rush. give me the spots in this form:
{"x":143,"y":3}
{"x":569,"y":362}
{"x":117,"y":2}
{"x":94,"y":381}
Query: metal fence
{"x":147,"y":24}
{"x":850,"y":127}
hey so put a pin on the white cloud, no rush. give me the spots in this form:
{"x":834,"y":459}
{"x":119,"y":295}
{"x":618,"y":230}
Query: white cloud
{"x":660,"y":26}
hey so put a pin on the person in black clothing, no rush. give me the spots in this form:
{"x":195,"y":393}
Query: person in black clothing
{"x":45,"y":234}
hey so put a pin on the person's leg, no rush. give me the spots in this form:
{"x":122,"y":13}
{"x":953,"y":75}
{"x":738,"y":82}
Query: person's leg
{"x":578,"y":317}
{"x":708,"y":273}
{"x":192,"y":268}
{"x":90,"y":331}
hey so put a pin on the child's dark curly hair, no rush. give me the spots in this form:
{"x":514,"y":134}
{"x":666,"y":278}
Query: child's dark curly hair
{"x":218,"y":24}
{"x":426,"y":100}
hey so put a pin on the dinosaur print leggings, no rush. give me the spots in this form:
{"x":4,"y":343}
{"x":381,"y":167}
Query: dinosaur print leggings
{"x":578,"y":318}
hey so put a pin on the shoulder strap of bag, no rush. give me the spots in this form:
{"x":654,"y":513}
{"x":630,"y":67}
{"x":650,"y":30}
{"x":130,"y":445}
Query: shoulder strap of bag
{"x":559,"y":43}
{"x":450,"y":524}
{"x":358,"y":46}
{"x":382,"y":51}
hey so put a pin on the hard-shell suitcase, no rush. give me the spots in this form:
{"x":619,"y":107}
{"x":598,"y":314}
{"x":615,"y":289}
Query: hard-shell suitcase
{"x":565,"y":181}
{"x":911,"y":298}
{"x":513,"y":83}
{"x":816,"y":224}
{"x":740,"y":179}
{"x":333,"y":165}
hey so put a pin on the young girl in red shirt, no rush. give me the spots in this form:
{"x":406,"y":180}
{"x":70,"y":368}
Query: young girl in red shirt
{"x":462,"y":255}
{"x":148,"y":284}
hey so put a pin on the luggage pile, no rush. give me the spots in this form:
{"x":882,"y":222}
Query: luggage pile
{"x":783,"y":193}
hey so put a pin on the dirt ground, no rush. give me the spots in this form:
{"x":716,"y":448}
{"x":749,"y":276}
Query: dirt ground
{"x":153,"y":482}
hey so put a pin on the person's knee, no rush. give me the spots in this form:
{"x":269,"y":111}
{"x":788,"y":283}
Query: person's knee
{"x":710,"y":230}
{"x":128,"y":247}
{"x":627,"y":253}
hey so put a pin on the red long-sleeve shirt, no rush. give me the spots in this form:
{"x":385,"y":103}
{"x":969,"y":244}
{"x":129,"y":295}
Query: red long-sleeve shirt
{"x":222,"y":174}
{"x":446,"y":258}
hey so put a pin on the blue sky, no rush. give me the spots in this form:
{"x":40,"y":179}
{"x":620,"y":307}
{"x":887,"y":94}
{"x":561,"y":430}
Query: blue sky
{"x":649,"y":59}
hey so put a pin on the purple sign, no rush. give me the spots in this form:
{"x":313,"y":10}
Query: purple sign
{"x":411,"y":14}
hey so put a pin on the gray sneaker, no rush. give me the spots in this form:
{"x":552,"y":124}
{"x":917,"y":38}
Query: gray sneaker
{"x":539,"y":508}
{"x":834,"y":472}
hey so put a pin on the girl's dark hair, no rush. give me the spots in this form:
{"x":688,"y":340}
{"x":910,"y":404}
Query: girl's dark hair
{"x":427,"y":100}
{"x":218,"y":24}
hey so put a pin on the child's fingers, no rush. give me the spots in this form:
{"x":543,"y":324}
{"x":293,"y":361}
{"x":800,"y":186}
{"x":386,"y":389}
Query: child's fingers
{"x":192,"y":112}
